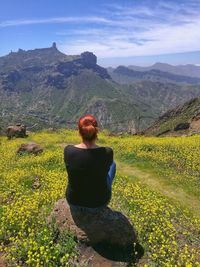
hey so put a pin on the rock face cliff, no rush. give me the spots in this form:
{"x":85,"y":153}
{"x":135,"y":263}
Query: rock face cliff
{"x":25,"y":70}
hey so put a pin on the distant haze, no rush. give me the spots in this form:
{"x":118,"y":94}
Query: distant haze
{"x":144,"y":61}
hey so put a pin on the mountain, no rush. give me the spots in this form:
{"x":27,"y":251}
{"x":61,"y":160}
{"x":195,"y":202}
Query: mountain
{"x":125,"y":75}
{"x":182,"y":120}
{"x":45,"y":88}
{"x":183,"y":70}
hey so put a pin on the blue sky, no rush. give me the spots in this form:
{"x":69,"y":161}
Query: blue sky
{"x":136,"y":32}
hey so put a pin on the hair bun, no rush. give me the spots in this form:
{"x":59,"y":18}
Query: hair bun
{"x":88,"y":127}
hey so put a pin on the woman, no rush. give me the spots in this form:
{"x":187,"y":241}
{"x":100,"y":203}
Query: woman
{"x":90,"y":168}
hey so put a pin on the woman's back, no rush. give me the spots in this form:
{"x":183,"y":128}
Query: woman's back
{"x":87,"y":175}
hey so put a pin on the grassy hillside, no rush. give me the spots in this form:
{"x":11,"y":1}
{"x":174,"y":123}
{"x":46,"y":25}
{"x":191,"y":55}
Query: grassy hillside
{"x":47,"y":107}
{"x":168,"y":231}
{"x":184,"y":119}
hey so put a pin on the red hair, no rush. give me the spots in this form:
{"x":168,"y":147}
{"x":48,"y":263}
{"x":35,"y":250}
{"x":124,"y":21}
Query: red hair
{"x":87,"y":127}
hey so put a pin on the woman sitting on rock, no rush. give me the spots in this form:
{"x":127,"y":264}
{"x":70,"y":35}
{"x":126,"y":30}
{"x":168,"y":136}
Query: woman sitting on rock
{"x":90,"y":168}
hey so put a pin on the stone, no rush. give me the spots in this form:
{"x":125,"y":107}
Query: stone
{"x":93,"y":227}
{"x":89,"y":59}
{"x":30,"y":148}
{"x":182,"y":126}
{"x":18,"y":130}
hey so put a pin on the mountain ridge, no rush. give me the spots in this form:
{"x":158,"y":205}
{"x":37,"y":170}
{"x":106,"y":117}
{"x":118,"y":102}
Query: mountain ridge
{"x":124,"y":75}
{"x":46,"y":88}
{"x":183,"y":70}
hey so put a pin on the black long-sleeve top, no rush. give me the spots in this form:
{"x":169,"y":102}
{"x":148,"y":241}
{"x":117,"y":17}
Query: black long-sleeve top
{"x":87,"y":175}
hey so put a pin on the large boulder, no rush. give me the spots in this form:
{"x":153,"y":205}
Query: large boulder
{"x":95,"y":226}
{"x":182,"y":126}
{"x":30,"y":148}
{"x":18,"y":130}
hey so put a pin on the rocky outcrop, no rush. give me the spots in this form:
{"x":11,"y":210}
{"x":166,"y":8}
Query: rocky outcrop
{"x":86,"y":60}
{"x":182,"y":126}
{"x":18,"y":130}
{"x":105,"y":237}
{"x":30,"y":148}
{"x":96,"y":226}
{"x":182,"y":120}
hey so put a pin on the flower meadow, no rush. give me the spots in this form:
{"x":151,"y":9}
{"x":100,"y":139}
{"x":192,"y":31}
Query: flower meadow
{"x":169,"y":233}
{"x":176,"y":158}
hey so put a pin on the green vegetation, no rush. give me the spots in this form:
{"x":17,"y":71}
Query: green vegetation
{"x":46,"y":88}
{"x":182,"y":114}
{"x":167,"y":230}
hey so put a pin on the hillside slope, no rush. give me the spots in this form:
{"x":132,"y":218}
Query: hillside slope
{"x":183,"y":120}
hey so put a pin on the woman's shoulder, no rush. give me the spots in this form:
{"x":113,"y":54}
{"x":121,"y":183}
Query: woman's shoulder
{"x":68,"y":148}
{"x":71,"y":147}
{"x":109,"y":150}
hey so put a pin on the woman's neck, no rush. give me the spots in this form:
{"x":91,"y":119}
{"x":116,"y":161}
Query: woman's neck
{"x":87,"y":144}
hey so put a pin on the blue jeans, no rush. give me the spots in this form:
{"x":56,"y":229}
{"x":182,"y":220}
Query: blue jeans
{"x":111,"y":175}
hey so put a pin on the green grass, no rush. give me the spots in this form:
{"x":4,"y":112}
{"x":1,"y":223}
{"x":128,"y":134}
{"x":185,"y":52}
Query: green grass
{"x":162,"y":213}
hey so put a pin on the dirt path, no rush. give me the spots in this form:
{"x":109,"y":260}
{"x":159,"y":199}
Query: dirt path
{"x":155,"y":183}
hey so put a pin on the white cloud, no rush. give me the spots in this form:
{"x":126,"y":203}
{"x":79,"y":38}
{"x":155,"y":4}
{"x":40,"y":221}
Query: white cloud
{"x":9,"y":23}
{"x":123,"y":43}
{"x":123,"y":31}
{"x":141,"y":31}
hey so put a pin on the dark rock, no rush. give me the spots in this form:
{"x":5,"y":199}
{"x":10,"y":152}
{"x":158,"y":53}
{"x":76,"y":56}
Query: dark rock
{"x":30,"y":148}
{"x":54,"y":45}
{"x":106,"y":237}
{"x":18,"y":130}
{"x":20,"y":50}
{"x":93,"y":227}
{"x":182,"y":126}
{"x":88,"y":59}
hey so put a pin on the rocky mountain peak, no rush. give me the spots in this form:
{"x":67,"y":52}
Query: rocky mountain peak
{"x":89,"y":59}
{"x":54,"y":45}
